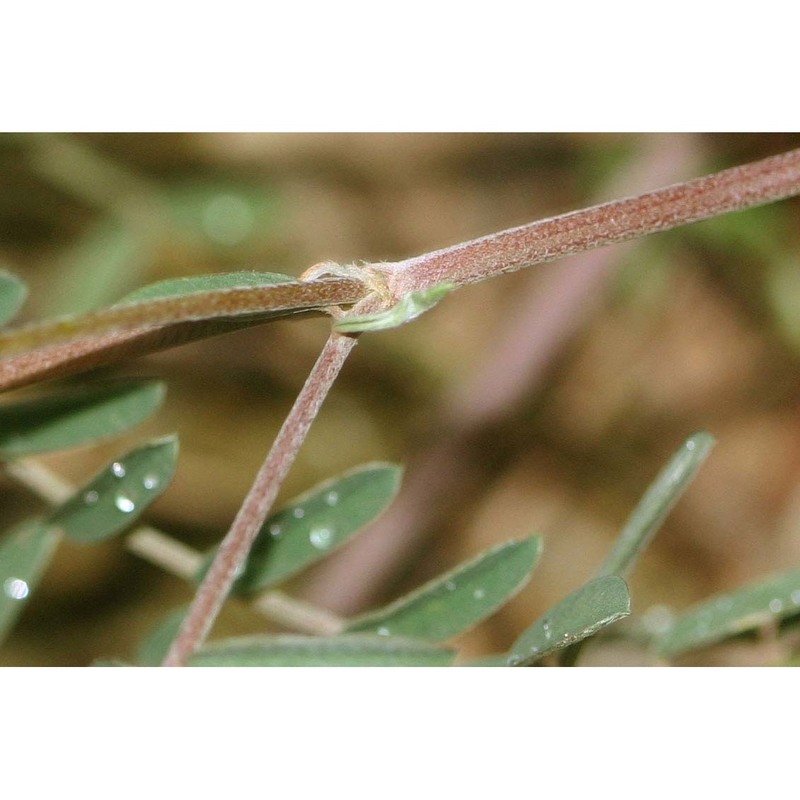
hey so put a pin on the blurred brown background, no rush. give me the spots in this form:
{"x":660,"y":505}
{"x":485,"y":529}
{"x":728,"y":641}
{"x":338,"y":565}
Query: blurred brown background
{"x":543,"y":401}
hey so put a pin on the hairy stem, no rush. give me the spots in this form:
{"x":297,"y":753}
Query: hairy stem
{"x":532,"y":333}
{"x":286,"y":297}
{"x":236,"y":545}
{"x":734,"y":189}
{"x":62,"y":347}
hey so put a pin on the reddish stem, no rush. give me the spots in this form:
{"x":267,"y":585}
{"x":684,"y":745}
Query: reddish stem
{"x":734,"y":189}
{"x":237,"y":543}
{"x":59,"y":347}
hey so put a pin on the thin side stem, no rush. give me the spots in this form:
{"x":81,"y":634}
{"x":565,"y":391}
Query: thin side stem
{"x":297,"y":615}
{"x":734,"y":189}
{"x":165,"y":552}
{"x":185,"y":562}
{"x":236,"y":545}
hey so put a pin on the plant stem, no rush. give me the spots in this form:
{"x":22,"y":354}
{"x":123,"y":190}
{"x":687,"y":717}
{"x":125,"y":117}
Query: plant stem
{"x":185,"y":562}
{"x":549,"y":309}
{"x":296,"y":615}
{"x":733,"y":189}
{"x":236,"y":545}
{"x":285,"y":298}
{"x":165,"y":552}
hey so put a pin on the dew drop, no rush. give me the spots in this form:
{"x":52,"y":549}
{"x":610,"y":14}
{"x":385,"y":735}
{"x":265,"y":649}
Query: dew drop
{"x":450,"y":586}
{"x":299,"y":513}
{"x":479,"y":594}
{"x":776,"y":605}
{"x":16,"y":588}
{"x":383,"y":632}
{"x":321,"y":538}
{"x":118,"y":469}
{"x":332,"y":498}
{"x":124,"y":503}
{"x":275,"y":531}
{"x":91,"y":497}
{"x":150,"y":481}
{"x":796,"y":597}
{"x":690,"y":445}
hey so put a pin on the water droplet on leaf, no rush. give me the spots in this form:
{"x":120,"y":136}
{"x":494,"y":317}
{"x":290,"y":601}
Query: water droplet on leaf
{"x":321,"y":538}
{"x":776,"y":605}
{"x":383,"y":632}
{"x":332,"y":498}
{"x":478,"y":594}
{"x":299,"y":513}
{"x":16,"y":588}
{"x":118,"y":469}
{"x":150,"y":481}
{"x":124,"y":503}
{"x":275,"y":531}
{"x":91,"y":497}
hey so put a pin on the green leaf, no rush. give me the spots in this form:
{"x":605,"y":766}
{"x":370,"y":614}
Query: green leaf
{"x":315,"y":524}
{"x":112,"y":500}
{"x":656,"y":503}
{"x":75,"y":417}
{"x":459,"y":599}
{"x":12,"y":295}
{"x":782,"y":290}
{"x":410,"y":307}
{"x":495,"y":660}
{"x":595,"y":605}
{"x":354,"y":650}
{"x":732,"y":613}
{"x":224,"y":214}
{"x":173,"y":287}
{"x":25,"y":552}
{"x":155,"y":645}
{"x":108,"y":259}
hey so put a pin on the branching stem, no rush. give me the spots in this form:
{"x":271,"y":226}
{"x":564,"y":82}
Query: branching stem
{"x":132,"y":332}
